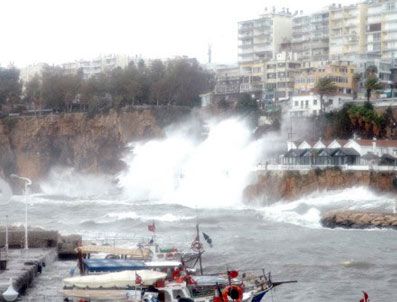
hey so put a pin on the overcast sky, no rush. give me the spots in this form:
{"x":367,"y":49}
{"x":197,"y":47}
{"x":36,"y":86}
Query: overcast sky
{"x":56,"y":31}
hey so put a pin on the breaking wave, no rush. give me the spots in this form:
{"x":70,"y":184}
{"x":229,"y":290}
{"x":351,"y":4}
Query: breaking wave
{"x":211,"y":173}
{"x":307,"y":211}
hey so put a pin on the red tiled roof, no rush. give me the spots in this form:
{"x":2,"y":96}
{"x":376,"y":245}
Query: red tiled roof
{"x":386,"y":143}
{"x":364,"y":142}
{"x":379,"y":143}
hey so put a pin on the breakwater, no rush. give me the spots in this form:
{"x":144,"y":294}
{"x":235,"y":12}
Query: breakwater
{"x":359,"y":220}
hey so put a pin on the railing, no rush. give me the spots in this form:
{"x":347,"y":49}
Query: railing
{"x":292,"y":167}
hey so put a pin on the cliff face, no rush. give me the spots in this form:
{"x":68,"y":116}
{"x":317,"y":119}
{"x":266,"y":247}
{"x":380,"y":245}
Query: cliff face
{"x":30,"y":146}
{"x":288,"y":185}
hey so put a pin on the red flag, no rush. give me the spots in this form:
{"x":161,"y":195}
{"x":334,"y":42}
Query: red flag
{"x":232,"y":274}
{"x":138,"y":279}
{"x":365,"y":299}
{"x":151,"y":227}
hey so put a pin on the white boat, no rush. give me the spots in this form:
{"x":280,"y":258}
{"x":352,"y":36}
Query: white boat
{"x":124,"y":279}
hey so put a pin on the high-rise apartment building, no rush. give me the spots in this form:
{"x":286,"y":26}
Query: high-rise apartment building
{"x":382,"y":29}
{"x":310,"y":36}
{"x":280,"y":76}
{"x":261,"y":39}
{"x":347,"y":31}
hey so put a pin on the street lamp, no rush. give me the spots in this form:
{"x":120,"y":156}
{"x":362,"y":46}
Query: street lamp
{"x":28,"y":183}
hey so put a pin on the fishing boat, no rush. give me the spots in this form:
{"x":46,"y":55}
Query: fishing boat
{"x":146,"y":285}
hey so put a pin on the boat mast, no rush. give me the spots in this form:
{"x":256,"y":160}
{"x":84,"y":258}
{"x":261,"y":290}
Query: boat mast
{"x":200,"y":250}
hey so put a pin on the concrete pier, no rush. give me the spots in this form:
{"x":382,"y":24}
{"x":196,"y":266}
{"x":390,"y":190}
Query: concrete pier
{"x":23,"y":266}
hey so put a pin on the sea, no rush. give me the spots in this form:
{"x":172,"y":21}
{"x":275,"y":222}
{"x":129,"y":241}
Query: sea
{"x":177,"y":182}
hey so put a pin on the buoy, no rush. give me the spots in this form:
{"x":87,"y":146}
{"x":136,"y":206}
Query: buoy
{"x":10,"y":294}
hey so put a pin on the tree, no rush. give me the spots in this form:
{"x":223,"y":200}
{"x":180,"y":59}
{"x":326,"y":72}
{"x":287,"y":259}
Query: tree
{"x":32,"y":92}
{"x":371,"y":70}
{"x":247,"y":106}
{"x":324,"y":86}
{"x":58,"y":88}
{"x":355,"y":84}
{"x":10,"y":85}
{"x":372,"y":83}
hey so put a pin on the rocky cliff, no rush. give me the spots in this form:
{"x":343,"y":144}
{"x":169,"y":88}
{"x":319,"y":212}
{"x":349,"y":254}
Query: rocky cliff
{"x":287,"y":185}
{"x":30,"y":146}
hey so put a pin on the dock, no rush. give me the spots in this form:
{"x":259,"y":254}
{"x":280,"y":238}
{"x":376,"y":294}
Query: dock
{"x":23,"y":266}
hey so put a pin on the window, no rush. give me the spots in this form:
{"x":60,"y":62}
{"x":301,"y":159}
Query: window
{"x":307,"y":104}
{"x":296,"y":104}
{"x":330,"y":102}
{"x":314,"y":102}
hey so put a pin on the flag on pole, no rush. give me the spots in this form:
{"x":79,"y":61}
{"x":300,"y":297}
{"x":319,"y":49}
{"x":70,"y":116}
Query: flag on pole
{"x":232,"y":274}
{"x":366,"y":297}
{"x":208,"y":239}
{"x":151,"y":227}
{"x":138,"y":279}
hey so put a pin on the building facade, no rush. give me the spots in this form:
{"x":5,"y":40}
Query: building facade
{"x":310,"y":104}
{"x":280,"y":76}
{"x":310,"y":36}
{"x":347,"y":31}
{"x":382,"y":29}
{"x":340,"y":72}
{"x":261,"y":39}
{"x":101,"y":64}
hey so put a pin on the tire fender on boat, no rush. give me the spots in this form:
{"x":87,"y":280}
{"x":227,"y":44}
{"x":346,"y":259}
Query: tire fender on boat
{"x":234,"y":292}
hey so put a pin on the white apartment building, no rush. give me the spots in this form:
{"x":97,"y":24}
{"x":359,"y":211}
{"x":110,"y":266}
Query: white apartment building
{"x":261,"y":39}
{"x":93,"y":67}
{"x":310,"y":105}
{"x":30,"y":71}
{"x":310,"y":36}
{"x":382,"y":29}
{"x":347,"y":31}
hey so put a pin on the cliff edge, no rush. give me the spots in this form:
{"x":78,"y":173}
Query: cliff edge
{"x":31,"y":145}
{"x":272,"y":186}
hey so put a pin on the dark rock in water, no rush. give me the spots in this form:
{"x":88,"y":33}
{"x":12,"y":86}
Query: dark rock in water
{"x":359,"y":220}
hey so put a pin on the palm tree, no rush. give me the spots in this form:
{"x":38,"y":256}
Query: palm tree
{"x":372,"y":83}
{"x":324,"y":86}
{"x":355,"y":84}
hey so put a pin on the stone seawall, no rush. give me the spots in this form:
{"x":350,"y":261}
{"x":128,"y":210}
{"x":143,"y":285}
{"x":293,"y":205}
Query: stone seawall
{"x":272,"y":186}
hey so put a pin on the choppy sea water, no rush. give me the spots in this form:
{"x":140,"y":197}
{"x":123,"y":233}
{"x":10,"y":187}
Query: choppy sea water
{"x":178,"y":180}
{"x":284,"y":238}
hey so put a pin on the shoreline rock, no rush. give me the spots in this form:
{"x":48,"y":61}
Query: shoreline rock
{"x":359,"y":220}
{"x":273,"y":186}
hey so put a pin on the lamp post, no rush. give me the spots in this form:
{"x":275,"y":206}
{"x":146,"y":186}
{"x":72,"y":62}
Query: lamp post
{"x":6,"y":245}
{"x":27,"y":182}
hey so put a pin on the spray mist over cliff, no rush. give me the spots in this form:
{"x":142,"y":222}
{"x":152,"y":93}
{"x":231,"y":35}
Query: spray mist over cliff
{"x":205,"y":173}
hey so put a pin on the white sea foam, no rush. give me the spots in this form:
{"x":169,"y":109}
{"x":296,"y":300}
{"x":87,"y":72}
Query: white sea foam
{"x":307,"y":211}
{"x":168,"y":217}
{"x":5,"y":191}
{"x":208,"y":174}
{"x":65,"y":181}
